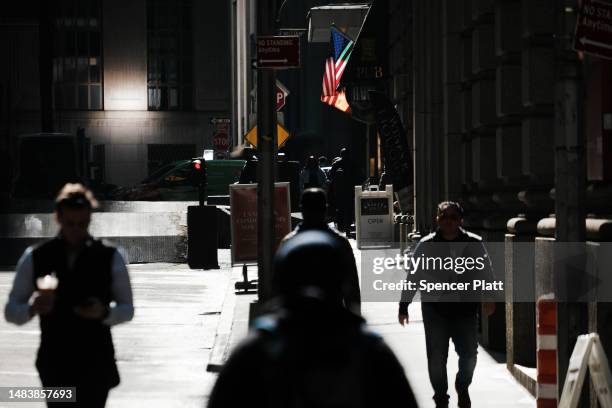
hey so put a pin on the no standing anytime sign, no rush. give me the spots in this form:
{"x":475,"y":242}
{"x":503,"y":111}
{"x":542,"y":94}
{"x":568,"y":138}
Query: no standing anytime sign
{"x":594,"y":28}
{"x":278,"y":52}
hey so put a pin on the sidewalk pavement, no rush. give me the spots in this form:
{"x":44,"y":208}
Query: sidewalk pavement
{"x":493,"y":385}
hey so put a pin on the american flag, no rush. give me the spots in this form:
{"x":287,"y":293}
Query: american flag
{"x":341,"y":48}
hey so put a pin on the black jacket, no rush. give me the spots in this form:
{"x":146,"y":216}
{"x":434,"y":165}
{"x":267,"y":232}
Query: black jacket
{"x":74,"y":350}
{"x":312,"y":355}
{"x":434,"y":246}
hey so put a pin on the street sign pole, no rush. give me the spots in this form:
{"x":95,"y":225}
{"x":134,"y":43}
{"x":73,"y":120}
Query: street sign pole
{"x":570,"y":187}
{"x":266,"y":148}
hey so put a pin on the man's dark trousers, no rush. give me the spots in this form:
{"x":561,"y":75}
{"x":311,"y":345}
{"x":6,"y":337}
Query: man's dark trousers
{"x":443,"y":322}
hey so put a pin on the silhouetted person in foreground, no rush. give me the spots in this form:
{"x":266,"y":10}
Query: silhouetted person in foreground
{"x":313,"y":206}
{"x":312,"y":352}
{"x":70,"y":281}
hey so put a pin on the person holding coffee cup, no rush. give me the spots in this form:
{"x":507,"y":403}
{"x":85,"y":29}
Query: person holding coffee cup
{"x":78,"y":286}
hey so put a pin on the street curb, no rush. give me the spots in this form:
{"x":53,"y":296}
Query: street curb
{"x":221,"y":345}
{"x":525,"y":377}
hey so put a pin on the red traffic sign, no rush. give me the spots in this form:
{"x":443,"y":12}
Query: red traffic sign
{"x":220,"y":141}
{"x":281,"y":95}
{"x":593,"y":35}
{"x":278,"y":51}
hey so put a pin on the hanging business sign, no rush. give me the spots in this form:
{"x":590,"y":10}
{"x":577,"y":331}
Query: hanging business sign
{"x":243,"y":219}
{"x":374,"y":217}
{"x":394,"y":143}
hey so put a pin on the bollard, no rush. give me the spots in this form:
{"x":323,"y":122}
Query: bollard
{"x":202,"y":241}
{"x":405,"y":233}
{"x":409,"y":224}
{"x":546,"y":318}
{"x":396,"y":229}
{"x":402,"y":236}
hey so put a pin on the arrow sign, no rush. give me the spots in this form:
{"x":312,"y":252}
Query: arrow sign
{"x":282,"y":135}
{"x":591,"y":36}
{"x":584,"y":41}
{"x":278,"y":51}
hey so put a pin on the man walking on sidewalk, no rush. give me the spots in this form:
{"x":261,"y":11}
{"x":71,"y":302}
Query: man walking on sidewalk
{"x":445,"y":315}
{"x":70,"y":282}
{"x":314,"y":208}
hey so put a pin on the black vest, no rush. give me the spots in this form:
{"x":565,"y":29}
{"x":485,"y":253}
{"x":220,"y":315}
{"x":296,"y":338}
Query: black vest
{"x":74,"y":350}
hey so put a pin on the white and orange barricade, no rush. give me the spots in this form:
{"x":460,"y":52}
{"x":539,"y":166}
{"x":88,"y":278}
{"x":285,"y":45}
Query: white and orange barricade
{"x":546,"y":315}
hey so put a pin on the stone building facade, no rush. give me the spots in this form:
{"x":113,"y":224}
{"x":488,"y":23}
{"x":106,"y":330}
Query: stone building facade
{"x":486,"y":87}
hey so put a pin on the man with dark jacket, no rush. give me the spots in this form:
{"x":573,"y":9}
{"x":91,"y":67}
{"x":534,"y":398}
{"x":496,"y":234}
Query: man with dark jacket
{"x":312,"y":352}
{"x":70,"y":281}
{"x":343,"y":177}
{"x":314,"y":205}
{"x":449,"y":314}
{"x":312,"y":176}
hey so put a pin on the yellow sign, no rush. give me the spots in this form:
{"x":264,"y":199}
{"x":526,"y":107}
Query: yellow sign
{"x":281,"y":132}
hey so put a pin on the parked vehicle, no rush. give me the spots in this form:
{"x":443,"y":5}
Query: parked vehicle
{"x":173,"y":182}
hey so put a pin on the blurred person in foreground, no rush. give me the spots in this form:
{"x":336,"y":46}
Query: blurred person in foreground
{"x":79,"y":287}
{"x":312,"y":352}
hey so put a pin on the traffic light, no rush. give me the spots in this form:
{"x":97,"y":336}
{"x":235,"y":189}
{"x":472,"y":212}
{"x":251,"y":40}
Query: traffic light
{"x":202,"y":240}
{"x":199,"y":177}
{"x":198,"y":171}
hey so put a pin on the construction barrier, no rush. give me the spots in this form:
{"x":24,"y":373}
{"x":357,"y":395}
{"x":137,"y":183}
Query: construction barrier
{"x":546,"y":318}
{"x":588,"y":352}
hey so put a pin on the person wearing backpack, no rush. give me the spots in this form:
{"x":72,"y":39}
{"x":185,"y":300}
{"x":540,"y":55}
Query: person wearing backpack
{"x":311,"y":351}
{"x":312,"y":176}
{"x":313,"y":205}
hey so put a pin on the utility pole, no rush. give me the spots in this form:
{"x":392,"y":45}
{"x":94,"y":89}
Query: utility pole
{"x":266,"y":149}
{"x":570,"y":183}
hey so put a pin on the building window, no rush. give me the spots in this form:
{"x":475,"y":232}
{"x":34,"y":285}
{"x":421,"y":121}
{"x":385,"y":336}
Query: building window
{"x":170,"y":54}
{"x":77,"y":61}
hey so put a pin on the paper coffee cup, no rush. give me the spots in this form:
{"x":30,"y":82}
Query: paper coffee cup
{"x":47,"y":282}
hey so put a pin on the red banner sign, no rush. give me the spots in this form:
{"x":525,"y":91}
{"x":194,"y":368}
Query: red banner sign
{"x":243,"y":208}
